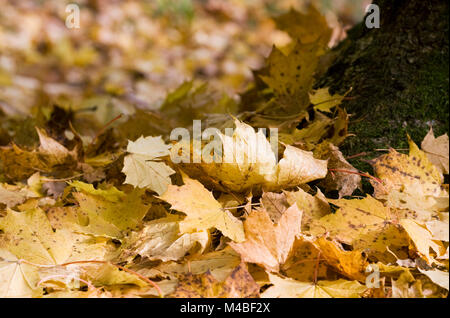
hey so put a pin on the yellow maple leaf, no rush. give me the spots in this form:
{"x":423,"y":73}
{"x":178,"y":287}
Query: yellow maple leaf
{"x":290,"y":288}
{"x":29,"y":235}
{"x":351,"y":264}
{"x":423,"y":240}
{"x":160,"y":239}
{"x":323,"y":100}
{"x":304,"y":262}
{"x":109,"y":212}
{"x":17,"y":279}
{"x":141,"y":166}
{"x":365,"y":224}
{"x":252,"y":164}
{"x":298,"y":26}
{"x":409,"y":181}
{"x":202,"y":210}
{"x":291,"y":75}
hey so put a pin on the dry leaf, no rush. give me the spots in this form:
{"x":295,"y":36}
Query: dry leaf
{"x":160,"y":239}
{"x":141,"y":166}
{"x":239,"y":284}
{"x":202,"y":210}
{"x":289,"y":288}
{"x":437,"y":150}
{"x":269,"y":244}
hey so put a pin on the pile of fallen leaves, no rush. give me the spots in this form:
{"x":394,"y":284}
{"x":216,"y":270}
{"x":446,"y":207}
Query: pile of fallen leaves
{"x":97,"y":208}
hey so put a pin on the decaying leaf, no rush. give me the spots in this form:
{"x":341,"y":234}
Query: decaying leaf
{"x":51,"y":155}
{"x":290,"y":75}
{"x":366,"y":224}
{"x":275,"y":204}
{"x":266,"y":243}
{"x":219,"y":263}
{"x":437,"y":150}
{"x":351,"y":264}
{"x":305,"y":262}
{"x":408,"y":181}
{"x":342,"y":176}
{"x":238,"y":284}
{"x":313,"y":207}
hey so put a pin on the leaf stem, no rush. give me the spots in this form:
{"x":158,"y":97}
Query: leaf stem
{"x":316,"y":270}
{"x":104,"y":127}
{"x":363,"y":174}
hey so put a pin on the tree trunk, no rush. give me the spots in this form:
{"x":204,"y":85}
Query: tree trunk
{"x":399,"y":75}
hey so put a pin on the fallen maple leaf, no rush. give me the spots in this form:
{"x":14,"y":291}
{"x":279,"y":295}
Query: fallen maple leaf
{"x":51,"y":155}
{"x":238,"y":284}
{"x":275,"y":204}
{"x":28,"y":235}
{"x":340,"y":176}
{"x":266,"y":243}
{"x":141,"y":166}
{"x":109,"y":212}
{"x":219,"y":263}
{"x":249,"y":162}
{"x":351,"y":264}
{"x":17,"y":279}
{"x":366,"y":224}
{"x":323,"y":100}
{"x":423,"y":240}
{"x":290,"y":288}
{"x":160,"y":239}
{"x":202,"y":210}
{"x":409,"y":181}
{"x":297,"y":25}
{"x":291,"y":74}
{"x":313,"y":207}
{"x":437,"y":150}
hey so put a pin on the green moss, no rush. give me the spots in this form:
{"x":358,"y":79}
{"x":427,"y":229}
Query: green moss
{"x":424,"y":103}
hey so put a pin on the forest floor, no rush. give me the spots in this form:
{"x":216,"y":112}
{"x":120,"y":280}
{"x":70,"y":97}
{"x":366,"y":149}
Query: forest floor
{"x":103,"y":192}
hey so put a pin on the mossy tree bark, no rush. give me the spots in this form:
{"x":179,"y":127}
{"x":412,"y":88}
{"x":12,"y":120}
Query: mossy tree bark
{"x":399,"y":74}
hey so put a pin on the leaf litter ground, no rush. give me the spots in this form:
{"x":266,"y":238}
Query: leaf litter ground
{"x":97,"y":208}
